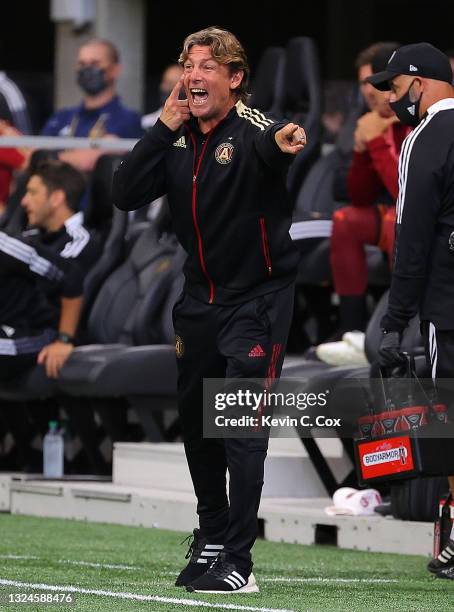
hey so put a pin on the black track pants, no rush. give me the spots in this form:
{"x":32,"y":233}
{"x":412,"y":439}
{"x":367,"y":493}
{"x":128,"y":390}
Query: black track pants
{"x":241,"y":341}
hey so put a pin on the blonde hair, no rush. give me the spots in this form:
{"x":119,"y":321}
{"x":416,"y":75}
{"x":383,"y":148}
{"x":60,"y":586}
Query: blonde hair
{"x":225,"y":49}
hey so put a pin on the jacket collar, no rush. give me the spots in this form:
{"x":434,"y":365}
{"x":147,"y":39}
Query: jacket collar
{"x":193,"y":124}
{"x":444,"y":104}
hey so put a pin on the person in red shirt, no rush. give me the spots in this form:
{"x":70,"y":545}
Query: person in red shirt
{"x":10,"y":160}
{"x":373,"y":189}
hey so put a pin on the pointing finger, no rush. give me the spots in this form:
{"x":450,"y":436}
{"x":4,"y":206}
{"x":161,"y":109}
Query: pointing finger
{"x":176,"y":90}
{"x":300,"y":136}
{"x":289,"y":129}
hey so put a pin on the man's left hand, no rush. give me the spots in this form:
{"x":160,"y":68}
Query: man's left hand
{"x":53,"y":356}
{"x":291,"y":138}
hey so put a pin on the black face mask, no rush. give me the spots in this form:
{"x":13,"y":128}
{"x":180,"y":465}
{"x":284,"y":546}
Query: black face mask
{"x":92,"y":80}
{"x":406,"y":110}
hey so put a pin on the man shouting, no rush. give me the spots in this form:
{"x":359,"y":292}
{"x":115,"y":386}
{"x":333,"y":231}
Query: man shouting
{"x":223,"y":167}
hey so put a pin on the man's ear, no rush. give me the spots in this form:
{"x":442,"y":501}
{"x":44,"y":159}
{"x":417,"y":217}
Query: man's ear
{"x":236,"y":78}
{"x":421,"y":83}
{"x":57,"y":198}
{"x":416,"y":91}
{"x":116,"y":71}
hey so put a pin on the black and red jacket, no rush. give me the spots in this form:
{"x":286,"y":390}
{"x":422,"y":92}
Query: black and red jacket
{"x":229,"y":204}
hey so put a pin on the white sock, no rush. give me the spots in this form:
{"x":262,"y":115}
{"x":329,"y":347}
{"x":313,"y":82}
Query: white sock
{"x":452,"y":532}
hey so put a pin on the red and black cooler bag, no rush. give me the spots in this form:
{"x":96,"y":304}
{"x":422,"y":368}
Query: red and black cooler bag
{"x":408,"y":438}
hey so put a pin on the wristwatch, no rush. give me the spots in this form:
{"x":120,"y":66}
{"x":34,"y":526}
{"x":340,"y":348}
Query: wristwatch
{"x":65,"y":338}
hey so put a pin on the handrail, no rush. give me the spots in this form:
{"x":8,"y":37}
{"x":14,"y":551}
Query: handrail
{"x":63,"y":142}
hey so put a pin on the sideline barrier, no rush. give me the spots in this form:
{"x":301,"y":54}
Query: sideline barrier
{"x":61,"y":143}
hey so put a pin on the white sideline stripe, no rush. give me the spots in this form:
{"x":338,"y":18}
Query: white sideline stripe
{"x":262,"y":579}
{"x":315,"y":579}
{"x":71,"y":562}
{"x":20,"y":557}
{"x":101,"y":565}
{"x":135,"y":596}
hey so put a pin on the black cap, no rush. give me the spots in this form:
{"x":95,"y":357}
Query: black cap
{"x":383,"y":55}
{"x":420,"y":59}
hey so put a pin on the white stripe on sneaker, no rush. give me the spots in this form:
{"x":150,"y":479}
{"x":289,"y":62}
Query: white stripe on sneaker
{"x":236,"y":581}
{"x":199,"y":560}
{"x":214,"y":546}
{"x":209,"y":553}
{"x":250,"y":587}
{"x":239,"y":576}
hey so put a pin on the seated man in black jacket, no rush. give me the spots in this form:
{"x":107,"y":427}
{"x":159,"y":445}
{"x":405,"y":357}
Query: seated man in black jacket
{"x":223,"y":167}
{"x":42,"y":272}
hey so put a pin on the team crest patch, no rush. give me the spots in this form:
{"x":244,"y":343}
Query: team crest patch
{"x":224,"y":152}
{"x":179,"y":347}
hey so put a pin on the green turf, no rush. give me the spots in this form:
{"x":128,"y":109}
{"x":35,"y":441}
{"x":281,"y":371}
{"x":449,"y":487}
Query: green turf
{"x":157,"y":556}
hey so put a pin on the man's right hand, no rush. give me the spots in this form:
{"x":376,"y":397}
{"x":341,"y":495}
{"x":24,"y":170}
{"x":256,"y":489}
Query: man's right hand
{"x":390,"y":354}
{"x":359,"y":144}
{"x":371,"y":125}
{"x":175,"y":111}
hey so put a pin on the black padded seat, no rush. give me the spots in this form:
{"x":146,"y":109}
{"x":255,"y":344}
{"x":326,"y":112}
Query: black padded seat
{"x":267,"y":84}
{"x":302,"y":103}
{"x":301,"y":367}
{"x":133,"y":358}
{"x":33,"y":385}
{"x":120,"y":371}
{"x":98,"y":214}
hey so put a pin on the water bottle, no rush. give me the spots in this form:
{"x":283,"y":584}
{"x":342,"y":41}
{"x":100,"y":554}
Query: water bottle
{"x":53,"y":451}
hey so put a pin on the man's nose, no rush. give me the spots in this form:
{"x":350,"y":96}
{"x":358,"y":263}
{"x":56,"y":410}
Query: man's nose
{"x":195,"y":74}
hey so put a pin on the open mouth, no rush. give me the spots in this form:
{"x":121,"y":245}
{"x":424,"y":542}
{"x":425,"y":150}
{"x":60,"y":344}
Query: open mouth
{"x":199,"y":96}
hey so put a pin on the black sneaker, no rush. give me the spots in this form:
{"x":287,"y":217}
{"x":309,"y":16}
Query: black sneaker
{"x":444,"y":560}
{"x":201,"y":554}
{"x":224,"y":577}
{"x":446,"y":572}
